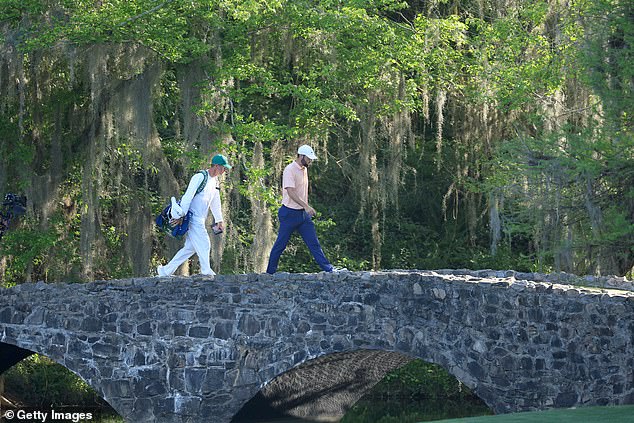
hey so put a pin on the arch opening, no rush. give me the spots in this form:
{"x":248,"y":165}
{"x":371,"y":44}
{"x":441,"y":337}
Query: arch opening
{"x":34,"y":382}
{"x":417,"y":391}
{"x":343,"y":386}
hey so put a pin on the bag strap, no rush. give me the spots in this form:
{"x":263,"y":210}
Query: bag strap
{"x":204,"y":182}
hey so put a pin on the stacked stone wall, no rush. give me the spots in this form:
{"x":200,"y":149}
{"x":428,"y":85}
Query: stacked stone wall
{"x":183,"y":349}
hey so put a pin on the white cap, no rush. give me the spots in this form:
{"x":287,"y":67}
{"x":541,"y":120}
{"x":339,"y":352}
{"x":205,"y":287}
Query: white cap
{"x":307,"y":151}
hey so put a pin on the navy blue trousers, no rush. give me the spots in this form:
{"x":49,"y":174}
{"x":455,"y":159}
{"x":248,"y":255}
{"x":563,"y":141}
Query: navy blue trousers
{"x":292,"y":220}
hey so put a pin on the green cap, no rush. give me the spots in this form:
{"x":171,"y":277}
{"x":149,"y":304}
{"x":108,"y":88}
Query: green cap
{"x":221,"y":160}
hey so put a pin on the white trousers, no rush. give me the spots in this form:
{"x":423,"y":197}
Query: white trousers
{"x":196,"y":241}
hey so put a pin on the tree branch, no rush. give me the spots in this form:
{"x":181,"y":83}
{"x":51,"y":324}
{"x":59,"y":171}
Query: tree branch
{"x":147,"y":12}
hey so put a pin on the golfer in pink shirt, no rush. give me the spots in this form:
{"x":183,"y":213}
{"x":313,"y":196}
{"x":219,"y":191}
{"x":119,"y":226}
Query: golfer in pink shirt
{"x":296,"y":214}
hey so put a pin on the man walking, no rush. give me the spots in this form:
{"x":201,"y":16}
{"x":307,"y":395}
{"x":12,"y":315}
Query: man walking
{"x":296,"y":214}
{"x":196,"y":238}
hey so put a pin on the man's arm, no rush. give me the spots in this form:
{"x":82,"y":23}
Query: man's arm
{"x":216,"y":209}
{"x":292,"y":193}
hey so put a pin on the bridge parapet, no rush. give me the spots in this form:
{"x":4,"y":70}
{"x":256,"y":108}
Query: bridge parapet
{"x":562,"y":278}
{"x":184,"y":348}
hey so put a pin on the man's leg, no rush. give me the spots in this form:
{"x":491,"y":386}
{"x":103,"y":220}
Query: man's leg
{"x":287,"y":226}
{"x":200,"y":240}
{"x":179,"y":258}
{"x":308,"y":233}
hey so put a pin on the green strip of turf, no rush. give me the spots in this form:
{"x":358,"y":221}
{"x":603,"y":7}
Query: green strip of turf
{"x":616,"y":414}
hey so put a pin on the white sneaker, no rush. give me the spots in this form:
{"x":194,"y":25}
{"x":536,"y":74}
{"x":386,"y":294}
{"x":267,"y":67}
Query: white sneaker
{"x":160,"y":271}
{"x":338,"y":269}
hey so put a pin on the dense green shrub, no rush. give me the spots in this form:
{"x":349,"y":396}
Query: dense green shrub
{"x":40,"y":382}
{"x":418,"y":391}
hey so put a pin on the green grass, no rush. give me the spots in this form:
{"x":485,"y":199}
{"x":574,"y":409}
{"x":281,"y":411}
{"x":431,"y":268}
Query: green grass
{"x":617,"y":414}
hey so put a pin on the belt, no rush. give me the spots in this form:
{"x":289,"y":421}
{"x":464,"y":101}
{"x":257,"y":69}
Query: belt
{"x":290,"y":208}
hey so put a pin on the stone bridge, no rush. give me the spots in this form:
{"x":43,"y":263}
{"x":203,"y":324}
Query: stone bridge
{"x":184,"y":349}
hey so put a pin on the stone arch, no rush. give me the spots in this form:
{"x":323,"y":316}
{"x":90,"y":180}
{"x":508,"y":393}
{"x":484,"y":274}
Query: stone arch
{"x":12,"y":353}
{"x":324,"y":388}
{"x":300,"y":389}
{"x":420,"y":326}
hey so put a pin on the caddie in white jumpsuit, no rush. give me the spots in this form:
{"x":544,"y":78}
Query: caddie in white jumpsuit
{"x":197,"y":238}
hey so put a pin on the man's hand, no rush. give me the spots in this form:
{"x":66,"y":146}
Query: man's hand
{"x":295,"y":197}
{"x":176,"y":222}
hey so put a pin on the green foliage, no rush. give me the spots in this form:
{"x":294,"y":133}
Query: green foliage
{"x":13,"y":11}
{"x":527,"y":97}
{"x":15,"y":154}
{"x":175,"y":29}
{"x":50,"y":254}
{"x":418,"y":391}
{"x":422,"y":380}
{"x":412,"y":412}
{"x":515,"y":57}
{"x":40,"y":382}
{"x":607,"y":56}
{"x":24,"y":248}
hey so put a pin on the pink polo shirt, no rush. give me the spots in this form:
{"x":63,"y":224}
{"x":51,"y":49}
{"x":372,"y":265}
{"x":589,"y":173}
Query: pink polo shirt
{"x":295,"y":176}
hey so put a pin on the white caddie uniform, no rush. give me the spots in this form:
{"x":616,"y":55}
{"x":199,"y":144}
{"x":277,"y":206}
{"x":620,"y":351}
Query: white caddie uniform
{"x":197,"y":238}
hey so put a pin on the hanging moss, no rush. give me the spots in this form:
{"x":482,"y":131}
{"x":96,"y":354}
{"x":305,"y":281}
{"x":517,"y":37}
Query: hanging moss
{"x":457,"y":133}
